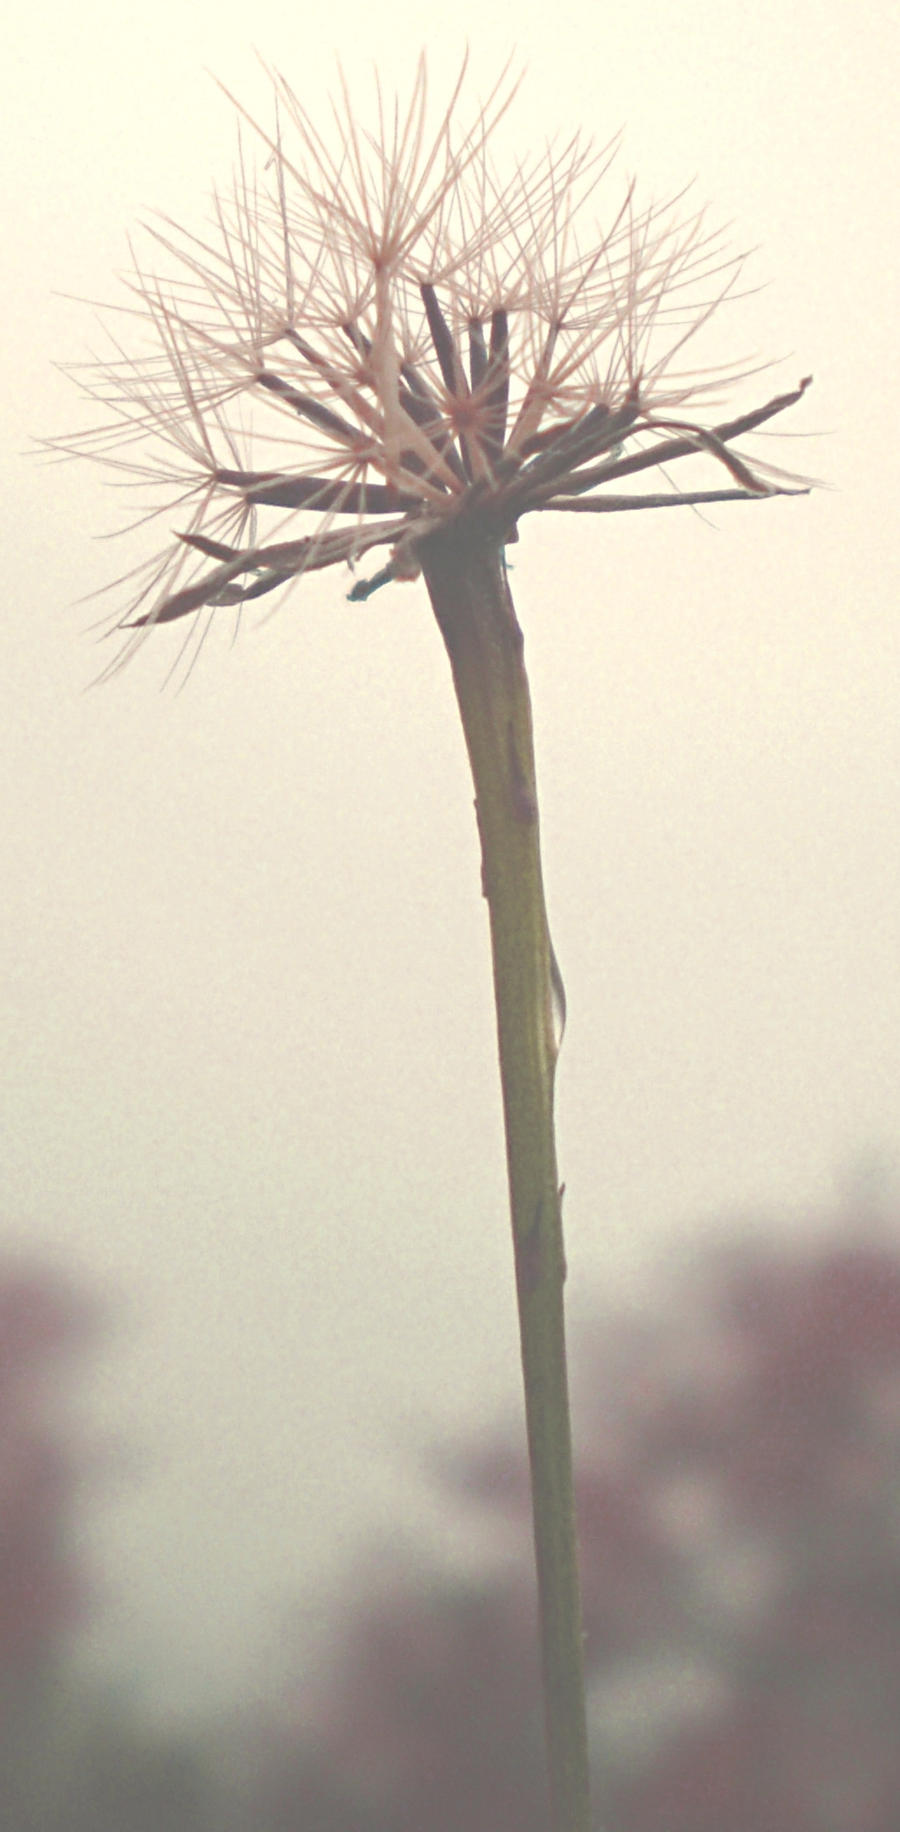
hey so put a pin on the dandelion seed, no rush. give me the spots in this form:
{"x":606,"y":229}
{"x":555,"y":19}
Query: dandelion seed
{"x":382,"y":337}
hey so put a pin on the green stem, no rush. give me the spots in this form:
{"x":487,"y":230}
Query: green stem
{"x":467,"y":584}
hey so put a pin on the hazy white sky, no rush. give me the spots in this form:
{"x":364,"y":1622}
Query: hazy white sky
{"x":247,"y":1046}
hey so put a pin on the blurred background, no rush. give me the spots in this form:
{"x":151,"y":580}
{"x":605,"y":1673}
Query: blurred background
{"x":251,"y":1121}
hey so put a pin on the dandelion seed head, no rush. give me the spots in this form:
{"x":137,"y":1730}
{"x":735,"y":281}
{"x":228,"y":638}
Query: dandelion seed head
{"x":383,"y":330}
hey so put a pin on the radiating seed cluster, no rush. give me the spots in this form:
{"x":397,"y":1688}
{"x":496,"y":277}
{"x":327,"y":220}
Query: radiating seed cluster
{"x":383,"y":332}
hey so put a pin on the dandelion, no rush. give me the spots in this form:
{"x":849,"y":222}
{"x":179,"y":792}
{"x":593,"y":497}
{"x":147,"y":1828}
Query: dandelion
{"x":384,"y":346}
{"x":410,"y":349}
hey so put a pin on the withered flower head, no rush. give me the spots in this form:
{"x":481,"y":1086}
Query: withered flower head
{"x":381,"y":334}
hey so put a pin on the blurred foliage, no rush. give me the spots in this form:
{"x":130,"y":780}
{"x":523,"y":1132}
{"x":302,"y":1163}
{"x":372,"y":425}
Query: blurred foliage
{"x":739,"y":1506}
{"x":42,"y":1321}
{"x":739,"y":1509}
{"x":69,"y":1761}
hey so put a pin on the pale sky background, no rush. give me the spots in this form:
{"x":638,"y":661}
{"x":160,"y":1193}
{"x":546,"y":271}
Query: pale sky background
{"x":247,"y":1041}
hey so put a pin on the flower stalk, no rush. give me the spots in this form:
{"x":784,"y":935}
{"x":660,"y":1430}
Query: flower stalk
{"x":467,"y":584}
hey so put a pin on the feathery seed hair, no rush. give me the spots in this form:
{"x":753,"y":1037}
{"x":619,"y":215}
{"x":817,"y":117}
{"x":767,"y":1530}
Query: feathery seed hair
{"x":382,"y":335}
